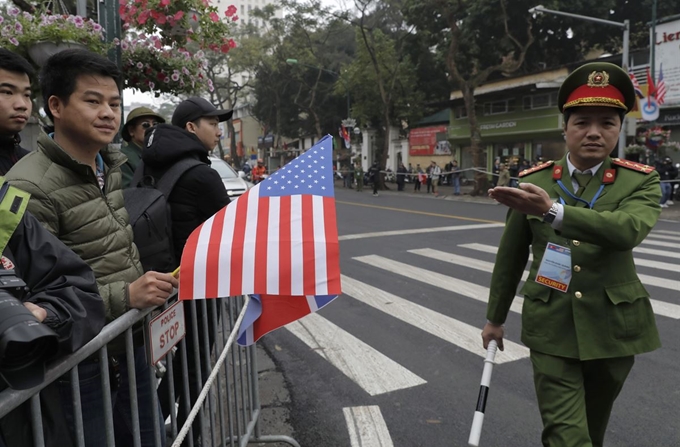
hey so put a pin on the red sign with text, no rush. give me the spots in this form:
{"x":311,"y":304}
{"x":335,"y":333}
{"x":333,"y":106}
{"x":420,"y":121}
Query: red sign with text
{"x":423,"y":141}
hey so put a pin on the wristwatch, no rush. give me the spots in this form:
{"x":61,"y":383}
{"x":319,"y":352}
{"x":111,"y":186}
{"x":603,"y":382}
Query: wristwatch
{"x":550,"y":215}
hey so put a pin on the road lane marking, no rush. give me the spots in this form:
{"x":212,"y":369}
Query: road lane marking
{"x":661,"y":243}
{"x":367,"y":427}
{"x":454,"y":285}
{"x":651,"y":251}
{"x":446,"y":328}
{"x":367,"y":367}
{"x":675,"y":233}
{"x":424,"y":213}
{"x":463,"y":261}
{"x":662,"y":308}
{"x":417,"y":231}
{"x":649,"y":280}
{"x":664,"y":236}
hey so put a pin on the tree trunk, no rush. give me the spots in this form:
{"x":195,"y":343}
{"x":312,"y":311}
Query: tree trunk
{"x":481,"y":183}
{"x":232,"y":145}
{"x":385,"y":152}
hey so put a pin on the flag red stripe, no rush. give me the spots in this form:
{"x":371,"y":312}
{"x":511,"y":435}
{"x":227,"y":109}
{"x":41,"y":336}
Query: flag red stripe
{"x":236,"y":267}
{"x":212,"y":268}
{"x":186,"y":271}
{"x":279,"y":311}
{"x":261,"y":245}
{"x":285,"y":256}
{"x":308,"y":263}
{"x":332,"y":246}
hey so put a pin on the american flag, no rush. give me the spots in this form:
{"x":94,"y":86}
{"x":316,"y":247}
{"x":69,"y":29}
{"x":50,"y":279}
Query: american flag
{"x":660,"y":87}
{"x":651,"y":90}
{"x":636,"y":85}
{"x":278,"y":242}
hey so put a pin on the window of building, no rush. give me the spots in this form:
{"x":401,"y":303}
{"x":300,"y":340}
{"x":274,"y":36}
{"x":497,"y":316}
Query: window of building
{"x":541,"y":101}
{"x":460,"y":112}
{"x":496,"y":107}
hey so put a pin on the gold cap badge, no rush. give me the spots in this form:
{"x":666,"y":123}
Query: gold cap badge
{"x":598,"y":79}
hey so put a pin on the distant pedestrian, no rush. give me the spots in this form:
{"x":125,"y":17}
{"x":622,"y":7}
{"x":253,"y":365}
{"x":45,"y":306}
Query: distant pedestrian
{"x":401,"y":176}
{"x":419,"y":178}
{"x":374,"y":173}
{"x":435,"y":174}
{"x":359,"y":177}
{"x":503,"y":176}
{"x":455,"y":177}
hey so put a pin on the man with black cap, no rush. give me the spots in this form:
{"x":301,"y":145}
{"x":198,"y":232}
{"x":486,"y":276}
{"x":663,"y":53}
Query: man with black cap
{"x":139,"y":120}
{"x":585,"y":313}
{"x":198,"y":194}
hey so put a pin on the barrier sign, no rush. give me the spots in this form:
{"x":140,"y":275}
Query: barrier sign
{"x":166,"y":330}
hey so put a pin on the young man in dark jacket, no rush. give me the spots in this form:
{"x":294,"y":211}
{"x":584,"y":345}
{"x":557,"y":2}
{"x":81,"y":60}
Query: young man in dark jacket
{"x":198,"y":194}
{"x":15,"y":106}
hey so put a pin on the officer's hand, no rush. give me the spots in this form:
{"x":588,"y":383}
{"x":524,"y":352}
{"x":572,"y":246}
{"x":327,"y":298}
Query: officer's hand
{"x":492,"y":332}
{"x":527,"y":198}
{"x":38,"y":312}
{"x":151,"y":290}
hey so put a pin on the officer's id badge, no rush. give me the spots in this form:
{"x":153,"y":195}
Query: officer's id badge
{"x":555,"y":268}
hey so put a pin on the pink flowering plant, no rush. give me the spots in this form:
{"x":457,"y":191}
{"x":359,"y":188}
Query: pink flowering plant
{"x":181,"y":21}
{"x":148,"y":66}
{"x":20,"y":30}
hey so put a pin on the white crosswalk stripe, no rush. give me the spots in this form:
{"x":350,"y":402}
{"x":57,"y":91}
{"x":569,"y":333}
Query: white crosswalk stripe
{"x":367,"y":427}
{"x":661,"y":243}
{"x":664,"y":237}
{"x":371,"y":370}
{"x":454,"y":285}
{"x":645,"y":279}
{"x":675,"y":233}
{"x":446,"y":328}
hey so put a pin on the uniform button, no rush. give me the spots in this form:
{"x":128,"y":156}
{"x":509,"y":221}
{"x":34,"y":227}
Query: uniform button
{"x":576,"y":243}
{"x":577,"y":268}
{"x":578,"y":295}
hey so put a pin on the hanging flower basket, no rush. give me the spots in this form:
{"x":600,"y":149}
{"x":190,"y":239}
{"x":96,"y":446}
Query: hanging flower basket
{"x":38,"y":36}
{"x":150,"y":67}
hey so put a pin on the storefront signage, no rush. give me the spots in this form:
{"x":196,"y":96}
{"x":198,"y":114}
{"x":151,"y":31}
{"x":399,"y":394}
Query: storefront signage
{"x":423,"y":141}
{"x":667,"y":58}
{"x":501,"y":125}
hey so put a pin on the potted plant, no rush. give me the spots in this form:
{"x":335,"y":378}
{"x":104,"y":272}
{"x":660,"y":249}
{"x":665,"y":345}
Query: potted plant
{"x":634,"y":151}
{"x":40,"y":35}
{"x":150,"y":67}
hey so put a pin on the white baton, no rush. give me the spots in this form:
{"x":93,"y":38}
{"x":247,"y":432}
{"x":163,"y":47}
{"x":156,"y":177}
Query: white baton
{"x":478,"y":420}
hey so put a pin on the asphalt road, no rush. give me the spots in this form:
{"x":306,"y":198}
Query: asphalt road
{"x":398,"y":358}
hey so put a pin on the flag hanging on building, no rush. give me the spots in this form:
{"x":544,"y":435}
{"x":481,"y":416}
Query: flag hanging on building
{"x":660,"y":87}
{"x":651,"y":90}
{"x":278,"y":242}
{"x":636,"y":85}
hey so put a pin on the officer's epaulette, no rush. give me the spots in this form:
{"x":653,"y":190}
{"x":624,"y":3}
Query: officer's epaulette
{"x":645,"y":169}
{"x":536,"y":168}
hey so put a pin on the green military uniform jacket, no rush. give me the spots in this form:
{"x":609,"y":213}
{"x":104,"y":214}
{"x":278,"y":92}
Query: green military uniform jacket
{"x":606,"y":311}
{"x":134,"y":156}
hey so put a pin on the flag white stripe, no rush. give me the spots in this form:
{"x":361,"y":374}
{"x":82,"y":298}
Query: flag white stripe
{"x":312,"y":303}
{"x":273,"y":238}
{"x":321,"y":275}
{"x":297,"y":254}
{"x":201,"y":259}
{"x":224,"y":281}
{"x":250,"y":235}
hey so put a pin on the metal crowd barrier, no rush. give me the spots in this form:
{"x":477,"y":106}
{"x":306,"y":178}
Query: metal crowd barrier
{"x":228,"y":408}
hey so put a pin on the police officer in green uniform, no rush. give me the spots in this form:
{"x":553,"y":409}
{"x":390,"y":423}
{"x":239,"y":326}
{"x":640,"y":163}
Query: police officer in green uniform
{"x":585,"y":313}
{"x":62,"y":294}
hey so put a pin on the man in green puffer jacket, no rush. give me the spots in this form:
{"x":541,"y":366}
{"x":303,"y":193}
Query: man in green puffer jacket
{"x":75,"y":184}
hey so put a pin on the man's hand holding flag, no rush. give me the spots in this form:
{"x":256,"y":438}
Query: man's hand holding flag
{"x":278,"y":243}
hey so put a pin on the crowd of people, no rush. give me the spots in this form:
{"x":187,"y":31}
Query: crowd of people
{"x":71,"y":240}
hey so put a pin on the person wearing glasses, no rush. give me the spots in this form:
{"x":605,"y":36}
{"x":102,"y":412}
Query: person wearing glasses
{"x":138,"y":121}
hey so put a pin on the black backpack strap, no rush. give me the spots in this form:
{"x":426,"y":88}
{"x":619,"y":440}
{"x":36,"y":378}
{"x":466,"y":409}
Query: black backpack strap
{"x":138,"y":175}
{"x":168,"y":180}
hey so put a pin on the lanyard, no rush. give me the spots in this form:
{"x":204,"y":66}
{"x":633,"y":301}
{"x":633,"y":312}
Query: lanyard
{"x":578,"y":199}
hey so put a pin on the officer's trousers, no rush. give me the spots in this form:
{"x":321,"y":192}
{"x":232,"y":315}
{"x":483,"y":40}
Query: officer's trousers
{"x":575,"y":397}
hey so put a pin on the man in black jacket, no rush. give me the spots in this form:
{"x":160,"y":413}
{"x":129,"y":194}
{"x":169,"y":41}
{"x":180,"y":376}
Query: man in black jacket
{"x":62,"y":294}
{"x":198,"y":194}
{"x":15,"y":106}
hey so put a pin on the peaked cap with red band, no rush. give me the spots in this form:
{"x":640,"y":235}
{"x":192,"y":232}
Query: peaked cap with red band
{"x":597,"y":84}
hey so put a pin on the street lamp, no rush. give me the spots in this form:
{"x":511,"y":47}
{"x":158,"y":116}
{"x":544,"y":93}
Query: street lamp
{"x":626,"y":42}
{"x":344,"y":83}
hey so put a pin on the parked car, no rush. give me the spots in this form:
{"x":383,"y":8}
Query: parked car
{"x":234,"y":182}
